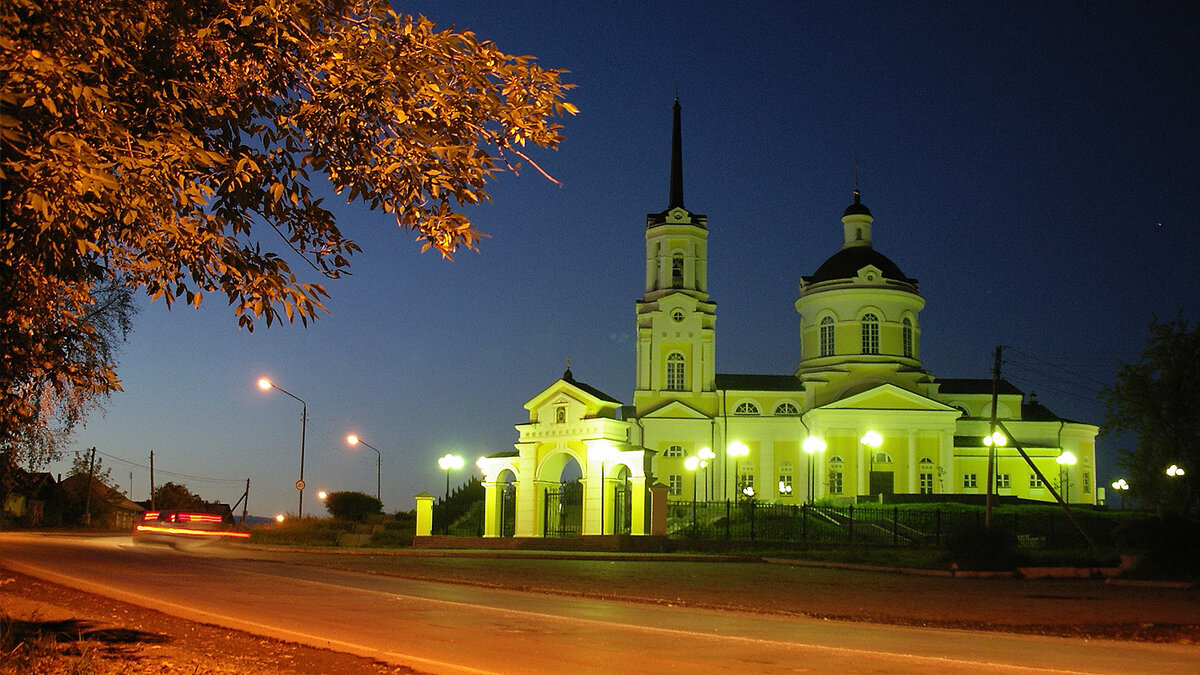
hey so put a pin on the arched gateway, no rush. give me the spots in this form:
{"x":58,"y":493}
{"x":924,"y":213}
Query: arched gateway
{"x":569,"y":422}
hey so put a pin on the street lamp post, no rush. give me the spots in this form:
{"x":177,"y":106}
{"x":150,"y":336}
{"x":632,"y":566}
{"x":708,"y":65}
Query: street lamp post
{"x":812,"y":445}
{"x":1065,"y":460}
{"x":693,"y":465}
{"x":872,"y":441}
{"x":706,"y":458}
{"x":736,"y":450}
{"x":1121,"y":487}
{"x":355,"y":440}
{"x":265,"y":384}
{"x":447,"y":462}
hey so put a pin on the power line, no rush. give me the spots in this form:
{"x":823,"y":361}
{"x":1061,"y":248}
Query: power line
{"x":1042,"y":386}
{"x":172,"y":473}
{"x":1053,"y":377}
{"x":1058,"y":367}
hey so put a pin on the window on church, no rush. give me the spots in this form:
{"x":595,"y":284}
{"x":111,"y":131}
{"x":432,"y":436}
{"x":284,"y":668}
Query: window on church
{"x":927,"y":483}
{"x":675,"y":372}
{"x":827,"y":336}
{"x":1087,"y":482}
{"x":785,"y":484}
{"x":835,"y":482}
{"x":746,"y":408}
{"x":882,"y":458}
{"x":870,"y":334}
{"x":970,"y":480}
{"x":673,"y":451}
{"x":1035,"y":483}
{"x":677,"y":270}
{"x":908,"y":338}
{"x":675,"y":484}
{"x":745,"y":480}
{"x":786,"y":408}
{"x":1003,"y":481}
{"x":560,"y":414}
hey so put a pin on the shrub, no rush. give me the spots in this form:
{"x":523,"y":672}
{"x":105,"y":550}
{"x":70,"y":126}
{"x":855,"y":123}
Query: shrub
{"x":354,"y":506}
{"x":1169,"y":546}
{"x":975,"y":546}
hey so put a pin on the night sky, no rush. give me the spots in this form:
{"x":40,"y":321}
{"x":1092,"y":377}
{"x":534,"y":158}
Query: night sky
{"x":1036,"y":166}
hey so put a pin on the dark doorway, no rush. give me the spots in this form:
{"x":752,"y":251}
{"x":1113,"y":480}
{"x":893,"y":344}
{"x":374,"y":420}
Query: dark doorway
{"x":882,"y":482}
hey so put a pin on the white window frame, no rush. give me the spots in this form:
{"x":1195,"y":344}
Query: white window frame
{"x":870,"y":333}
{"x":828,"y":341}
{"x":747,"y":408}
{"x":907,"y":332}
{"x":676,"y":375}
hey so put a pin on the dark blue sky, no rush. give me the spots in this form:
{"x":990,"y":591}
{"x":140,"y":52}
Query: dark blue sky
{"x":1035,"y":165}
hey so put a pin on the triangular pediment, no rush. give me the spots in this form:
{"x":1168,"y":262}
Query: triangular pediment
{"x":887,"y":397}
{"x":562,"y":390}
{"x":676,"y":410}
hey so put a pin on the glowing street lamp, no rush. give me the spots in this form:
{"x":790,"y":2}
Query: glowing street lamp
{"x":1065,"y":460}
{"x":707,"y":456}
{"x":1174,"y":471}
{"x":872,"y":441}
{"x":1121,"y":487}
{"x":812,"y":445}
{"x":448,"y":462}
{"x":355,"y":440}
{"x":265,"y":384}
{"x":322,"y":495}
{"x":995,"y":438}
{"x":694,"y":464}
{"x":736,"y":450}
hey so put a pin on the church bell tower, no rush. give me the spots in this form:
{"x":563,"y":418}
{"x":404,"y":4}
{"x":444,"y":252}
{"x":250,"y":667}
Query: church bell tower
{"x":675,"y":320}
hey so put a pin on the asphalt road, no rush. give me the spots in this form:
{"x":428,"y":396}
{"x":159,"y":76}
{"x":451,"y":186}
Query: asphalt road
{"x":446,"y":628}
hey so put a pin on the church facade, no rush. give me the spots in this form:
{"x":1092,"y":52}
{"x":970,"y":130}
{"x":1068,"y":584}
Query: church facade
{"x":858,"y":419}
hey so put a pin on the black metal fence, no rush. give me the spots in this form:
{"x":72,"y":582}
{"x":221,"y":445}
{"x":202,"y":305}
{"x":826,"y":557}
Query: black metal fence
{"x":562,"y":511}
{"x":752,"y":520}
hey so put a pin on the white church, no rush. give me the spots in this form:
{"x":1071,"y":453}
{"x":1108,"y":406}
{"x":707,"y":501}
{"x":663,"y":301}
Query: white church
{"x":859,"y":419}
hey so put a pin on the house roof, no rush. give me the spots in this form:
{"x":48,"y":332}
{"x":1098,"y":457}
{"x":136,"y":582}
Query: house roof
{"x":749,"y":382}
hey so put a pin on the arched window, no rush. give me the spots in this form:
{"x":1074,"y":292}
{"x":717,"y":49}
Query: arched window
{"x":786,"y":408}
{"x":676,"y":368}
{"x":870,"y":334}
{"x":673,"y":451}
{"x":746,"y":408}
{"x":908,"y":338}
{"x":677,"y":270}
{"x":827,"y":336}
{"x":882,"y":458}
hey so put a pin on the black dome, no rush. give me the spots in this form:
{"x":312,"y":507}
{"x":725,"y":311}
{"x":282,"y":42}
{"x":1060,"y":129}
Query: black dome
{"x":857,"y":208}
{"x":846,"y":263}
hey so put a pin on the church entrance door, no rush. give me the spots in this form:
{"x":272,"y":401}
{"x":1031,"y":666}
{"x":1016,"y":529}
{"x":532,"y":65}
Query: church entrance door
{"x":882,"y":483}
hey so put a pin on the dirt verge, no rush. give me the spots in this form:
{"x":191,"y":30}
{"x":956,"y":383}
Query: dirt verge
{"x":46,"y":628}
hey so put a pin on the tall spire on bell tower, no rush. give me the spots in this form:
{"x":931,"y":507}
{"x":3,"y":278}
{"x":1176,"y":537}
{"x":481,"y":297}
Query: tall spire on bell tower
{"x":676,"y":199}
{"x":675,"y":317}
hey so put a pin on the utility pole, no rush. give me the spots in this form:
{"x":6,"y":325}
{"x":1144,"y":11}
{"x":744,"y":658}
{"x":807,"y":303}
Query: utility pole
{"x":87,"y":499}
{"x":152,"y":507}
{"x":244,"y":500}
{"x":991,"y":446}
